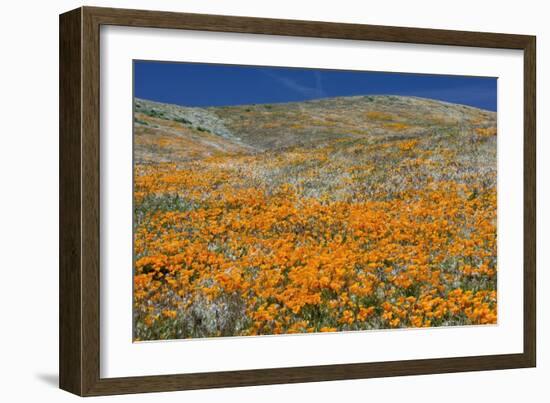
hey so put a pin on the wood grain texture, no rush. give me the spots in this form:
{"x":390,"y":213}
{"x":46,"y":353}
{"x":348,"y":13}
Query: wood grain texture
{"x":530,"y":203}
{"x":80,"y":201}
{"x":316,"y":29}
{"x":70,"y":274}
{"x":90,"y":202}
{"x":305,"y":374}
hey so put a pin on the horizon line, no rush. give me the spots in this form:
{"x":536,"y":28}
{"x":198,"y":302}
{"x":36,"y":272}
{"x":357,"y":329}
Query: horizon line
{"x":314,"y":100}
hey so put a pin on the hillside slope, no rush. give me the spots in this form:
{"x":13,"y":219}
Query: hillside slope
{"x":338,"y":214}
{"x":165,"y":132}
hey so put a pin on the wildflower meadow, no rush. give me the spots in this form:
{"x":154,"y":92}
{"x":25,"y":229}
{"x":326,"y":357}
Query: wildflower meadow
{"x":313,"y":217}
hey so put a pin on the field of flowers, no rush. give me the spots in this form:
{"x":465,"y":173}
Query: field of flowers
{"x":355,"y":232}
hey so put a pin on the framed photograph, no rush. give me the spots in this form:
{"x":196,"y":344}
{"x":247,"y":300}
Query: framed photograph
{"x":249,"y":201}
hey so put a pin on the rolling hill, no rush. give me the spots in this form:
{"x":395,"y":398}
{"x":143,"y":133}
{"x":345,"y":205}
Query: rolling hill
{"x":165,"y":132}
{"x":348,"y":213}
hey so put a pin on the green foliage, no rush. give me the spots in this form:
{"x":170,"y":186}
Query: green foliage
{"x":182,"y":120}
{"x":141,"y":122}
{"x":153,"y":113}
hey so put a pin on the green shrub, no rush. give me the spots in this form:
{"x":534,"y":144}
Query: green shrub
{"x":182,"y":120}
{"x":141,"y":122}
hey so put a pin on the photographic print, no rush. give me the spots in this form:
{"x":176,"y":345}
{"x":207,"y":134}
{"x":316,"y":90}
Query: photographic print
{"x":276,"y":200}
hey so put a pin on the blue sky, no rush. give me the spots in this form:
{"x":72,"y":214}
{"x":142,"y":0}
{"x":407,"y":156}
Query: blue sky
{"x":196,"y":84}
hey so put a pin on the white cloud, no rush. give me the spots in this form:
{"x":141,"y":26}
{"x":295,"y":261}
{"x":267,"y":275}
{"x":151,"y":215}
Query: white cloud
{"x":310,"y":92}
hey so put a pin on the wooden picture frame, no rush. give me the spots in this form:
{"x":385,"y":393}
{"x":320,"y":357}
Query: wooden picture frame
{"x":79,"y":349}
